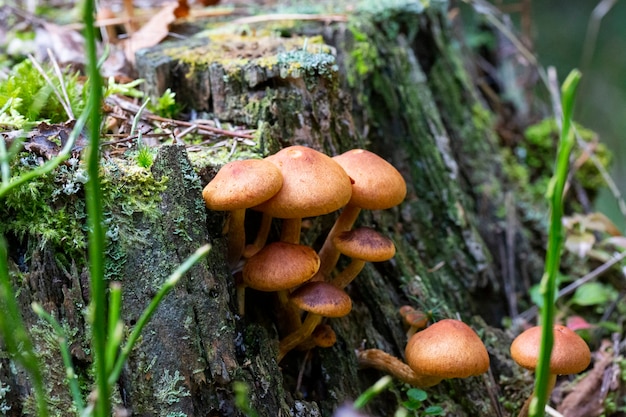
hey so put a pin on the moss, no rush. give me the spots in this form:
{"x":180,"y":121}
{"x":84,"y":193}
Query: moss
{"x":236,"y":52}
{"x":530,"y":163}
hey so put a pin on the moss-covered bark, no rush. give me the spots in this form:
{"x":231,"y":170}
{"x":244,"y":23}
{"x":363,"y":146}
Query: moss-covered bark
{"x":389,"y":79}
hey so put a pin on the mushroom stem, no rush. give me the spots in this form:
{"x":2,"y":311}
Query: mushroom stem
{"x":378,"y":359}
{"x":298,"y":336}
{"x":261,"y":237}
{"x":526,"y":407}
{"x":328,"y":254}
{"x":236,"y":236}
{"x":290,"y":231}
{"x":290,"y":314}
{"x":347,"y":275}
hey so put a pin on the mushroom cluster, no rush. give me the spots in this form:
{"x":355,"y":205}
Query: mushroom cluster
{"x":296,"y":183}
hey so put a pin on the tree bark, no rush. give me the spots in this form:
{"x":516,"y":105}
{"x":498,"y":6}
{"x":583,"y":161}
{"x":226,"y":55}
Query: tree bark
{"x":396,"y":86}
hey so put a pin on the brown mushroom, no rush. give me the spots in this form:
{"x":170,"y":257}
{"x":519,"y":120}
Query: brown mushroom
{"x":362,"y":245}
{"x":320,"y":299}
{"x":313,"y":185}
{"x":239,"y":185}
{"x":413,"y":319}
{"x":570,"y":355}
{"x":377,"y":185}
{"x":280,"y":266}
{"x":446,"y":349}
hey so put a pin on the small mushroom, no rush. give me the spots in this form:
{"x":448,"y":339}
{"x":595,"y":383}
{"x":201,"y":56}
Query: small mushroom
{"x":239,"y":185}
{"x":279,"y":266}
{"x":413,"y":319}
{"x":570,"y":355}
{"x":320,"y":299}
{"x":377,"y":185}
{"x":362,"y":245}
{"x":446,"y":349}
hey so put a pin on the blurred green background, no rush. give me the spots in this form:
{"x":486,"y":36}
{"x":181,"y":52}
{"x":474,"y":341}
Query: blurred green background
{"x":563,"y":38}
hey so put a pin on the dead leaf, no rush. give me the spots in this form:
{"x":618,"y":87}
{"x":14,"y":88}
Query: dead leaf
{"x":580,"y":243}
{"x":587,"y":398}
{"x":153,"y":32}
{"x":47,"y":140}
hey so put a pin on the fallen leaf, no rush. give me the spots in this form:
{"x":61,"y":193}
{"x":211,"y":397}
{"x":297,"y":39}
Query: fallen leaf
{"x":587,"y":399}
{"x":578,"y":323}
{"x":153,"y":32}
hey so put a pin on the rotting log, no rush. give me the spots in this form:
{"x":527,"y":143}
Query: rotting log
{"x":390,"y":80}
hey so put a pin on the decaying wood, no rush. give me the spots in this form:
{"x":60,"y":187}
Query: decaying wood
{"x":388,"y":79}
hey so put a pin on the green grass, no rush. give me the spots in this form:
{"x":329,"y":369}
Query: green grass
{"x":555,"y":243}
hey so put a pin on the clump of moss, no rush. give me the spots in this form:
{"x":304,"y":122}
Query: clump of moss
{"x":50,"y":210}
{"x":530,"y":162}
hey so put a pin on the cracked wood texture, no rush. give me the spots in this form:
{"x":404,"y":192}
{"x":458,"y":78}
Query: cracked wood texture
{"x":389,"y":79}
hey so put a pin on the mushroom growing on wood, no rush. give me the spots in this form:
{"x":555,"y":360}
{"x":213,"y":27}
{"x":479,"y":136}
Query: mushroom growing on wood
{"x":362,"y":245}
{"x":570,"y":355}
{"x":239,"y":185}
{"x":446,"y":349}
{"x":279,"y":266}
{"x":377,"y":185}
{"x":314,"y":184}
{"x":320,"y":299}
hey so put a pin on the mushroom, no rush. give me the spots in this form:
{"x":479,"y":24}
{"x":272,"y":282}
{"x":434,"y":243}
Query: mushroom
{"x":320,"y":299}
{"x":377,"y":185}
{"x":446,"y":349}
{"x":570,"y":355}
{"x":280,"y":266}
{"x":313,"y":185}
{"x":239,"y":185}
{"x":362,"y":245}
{"x":413,"y":319}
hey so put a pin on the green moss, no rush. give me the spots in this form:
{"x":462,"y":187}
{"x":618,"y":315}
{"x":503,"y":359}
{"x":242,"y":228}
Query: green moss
{"x":286,"y":56}
{"x":50,"y":210}
{"x":530,"y":162}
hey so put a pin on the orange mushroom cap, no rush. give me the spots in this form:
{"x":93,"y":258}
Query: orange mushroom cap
{"x":242,"y":184}
{"x":365,"y":244}
{"x":377,"y":184}
{"x":447,"y":349}
{"x":313,"y":184}
{"x":322,"y":298}
{"x":280,"y":266}
{"x":570,"y":353}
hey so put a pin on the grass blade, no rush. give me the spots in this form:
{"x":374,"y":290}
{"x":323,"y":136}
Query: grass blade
{"x":555,"y":243}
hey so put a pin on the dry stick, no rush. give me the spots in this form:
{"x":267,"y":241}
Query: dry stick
{"x":55,"y":90}
{"x":531,"y":312}
{"x":133,"y":108}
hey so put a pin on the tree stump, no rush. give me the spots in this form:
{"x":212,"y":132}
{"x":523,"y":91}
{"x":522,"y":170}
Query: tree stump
{"x":389,"y":79}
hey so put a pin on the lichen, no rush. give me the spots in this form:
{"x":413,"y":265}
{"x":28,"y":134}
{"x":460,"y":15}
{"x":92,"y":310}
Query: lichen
{"x":168,"y":389}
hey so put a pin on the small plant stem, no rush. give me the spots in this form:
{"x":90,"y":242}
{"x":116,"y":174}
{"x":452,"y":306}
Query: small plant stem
{"x":555,"y":244}
{"x":72,"y":381}
{"x":95,"y":219}
{"x":169,"y":284}
{"x":526,"y":407}
{"x":378,"y":387}
{"x":15,"y":335}
{"x":115,"y":330}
